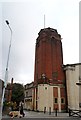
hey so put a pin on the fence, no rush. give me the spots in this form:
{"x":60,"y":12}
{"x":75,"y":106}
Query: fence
{"x":75,"y":113}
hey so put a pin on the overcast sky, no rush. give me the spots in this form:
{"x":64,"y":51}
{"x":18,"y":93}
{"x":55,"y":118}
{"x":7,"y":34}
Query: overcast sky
{"x":26,"y":19}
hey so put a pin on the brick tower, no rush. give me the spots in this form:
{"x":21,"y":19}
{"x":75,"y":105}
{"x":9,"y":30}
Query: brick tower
{"x":48,"y":69}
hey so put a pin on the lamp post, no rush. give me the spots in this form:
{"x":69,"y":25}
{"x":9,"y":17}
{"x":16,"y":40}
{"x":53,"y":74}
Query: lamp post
{"x":6,"y":72}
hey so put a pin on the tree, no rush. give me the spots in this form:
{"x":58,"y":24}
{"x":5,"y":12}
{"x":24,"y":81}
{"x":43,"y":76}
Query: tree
{"x":17,"y":93}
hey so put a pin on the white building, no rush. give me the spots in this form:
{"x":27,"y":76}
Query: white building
{"x":73,"y":85}
{"x":28,"y":100}
{"x":49,"y":97}
{"x":44,"y":97}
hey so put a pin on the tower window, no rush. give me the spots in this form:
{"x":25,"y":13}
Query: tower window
{"x":62,"y":100}
{"x":55,"y":100}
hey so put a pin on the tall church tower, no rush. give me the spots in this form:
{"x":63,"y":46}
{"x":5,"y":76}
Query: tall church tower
{"x":48,"y":70}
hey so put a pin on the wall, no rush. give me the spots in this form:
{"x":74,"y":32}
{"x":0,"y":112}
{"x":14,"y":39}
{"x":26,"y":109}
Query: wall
{"x":49,"y":56}
{"x":46,"y":97}
{"x":72,"y":77}
{"x":28,"y":100}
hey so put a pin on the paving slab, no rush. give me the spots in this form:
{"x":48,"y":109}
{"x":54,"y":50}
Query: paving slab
{"x":31,"y":115}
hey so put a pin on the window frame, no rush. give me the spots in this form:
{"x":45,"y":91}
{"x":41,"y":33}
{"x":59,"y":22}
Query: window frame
{"x":55,"y":99}
{"x":63,"y":100}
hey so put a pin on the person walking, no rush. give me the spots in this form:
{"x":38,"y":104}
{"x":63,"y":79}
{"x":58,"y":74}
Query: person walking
{"x":21,"y":109}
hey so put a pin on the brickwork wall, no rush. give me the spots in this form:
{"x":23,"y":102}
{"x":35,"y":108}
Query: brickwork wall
{"x":49,"y":57}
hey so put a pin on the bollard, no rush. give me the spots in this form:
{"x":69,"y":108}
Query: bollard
{"x":49,"y":110}
{"x":56,"y":112}
{"x":44,"y":110}
{"x":69,"y":112}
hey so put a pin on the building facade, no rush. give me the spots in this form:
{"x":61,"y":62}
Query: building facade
{"x":73,"y":85}
{"x":49,"y":77}
{"x":55,"y":86}
{"x":1,"y":92}
{"x":28,"y":100}
{"x":49,"y":96}
{"x":8,"y":91}
{"x":1,"y":89}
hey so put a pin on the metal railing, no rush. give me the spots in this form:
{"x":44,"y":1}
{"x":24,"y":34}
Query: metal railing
{"x":74,"y":113}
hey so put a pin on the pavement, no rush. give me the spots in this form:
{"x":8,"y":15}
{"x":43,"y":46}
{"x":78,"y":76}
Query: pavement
{"x":41,"y":119}
{"x":29,"y":115}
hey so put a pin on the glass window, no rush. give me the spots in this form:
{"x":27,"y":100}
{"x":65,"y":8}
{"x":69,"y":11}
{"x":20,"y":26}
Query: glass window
{"x":56,"y":100}
{"x":62,"y":100}
{"x":26,"y":94}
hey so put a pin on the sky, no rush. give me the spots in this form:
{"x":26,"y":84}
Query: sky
{"x":26,"y":19}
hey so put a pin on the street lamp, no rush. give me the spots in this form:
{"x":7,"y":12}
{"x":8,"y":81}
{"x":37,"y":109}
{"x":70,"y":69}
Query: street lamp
{"x":6,"y":72}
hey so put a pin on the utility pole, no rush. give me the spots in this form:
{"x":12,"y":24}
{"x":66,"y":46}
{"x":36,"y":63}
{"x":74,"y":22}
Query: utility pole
{"x":44,"y":21}
{"x":6,"y":72}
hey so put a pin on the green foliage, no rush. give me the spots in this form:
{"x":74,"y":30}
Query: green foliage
{"x":8,"y":105}
{"x":5,"y":103}
{"x":17,"y":93}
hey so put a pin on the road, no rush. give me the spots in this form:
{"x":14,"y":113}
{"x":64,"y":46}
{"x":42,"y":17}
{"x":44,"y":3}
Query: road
{"x":71,"y":118}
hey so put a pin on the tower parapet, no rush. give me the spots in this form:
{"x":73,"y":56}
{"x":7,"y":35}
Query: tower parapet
{"x":48,"y":33}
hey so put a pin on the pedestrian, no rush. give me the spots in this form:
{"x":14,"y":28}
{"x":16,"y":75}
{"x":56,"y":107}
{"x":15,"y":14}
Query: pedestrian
{"x":21,"y":109}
